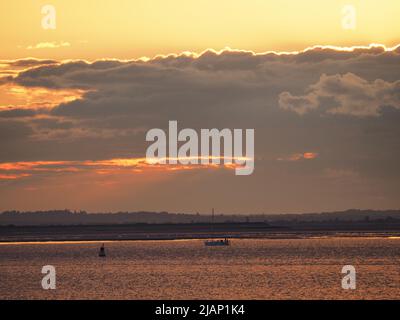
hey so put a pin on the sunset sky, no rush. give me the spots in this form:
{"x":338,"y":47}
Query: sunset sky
{"x":126,"y":29}
{"x":76,"y":103}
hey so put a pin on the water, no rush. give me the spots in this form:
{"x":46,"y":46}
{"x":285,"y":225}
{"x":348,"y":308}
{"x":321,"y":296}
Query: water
{"x":249,"y":269}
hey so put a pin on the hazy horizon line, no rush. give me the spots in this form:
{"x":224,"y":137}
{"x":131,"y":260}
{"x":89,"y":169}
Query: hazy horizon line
{"x":73,"y":211}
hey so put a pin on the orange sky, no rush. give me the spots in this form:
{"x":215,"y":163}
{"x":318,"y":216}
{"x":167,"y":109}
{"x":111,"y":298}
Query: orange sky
{"x":81,"y":144}
{"x":133,"y":28}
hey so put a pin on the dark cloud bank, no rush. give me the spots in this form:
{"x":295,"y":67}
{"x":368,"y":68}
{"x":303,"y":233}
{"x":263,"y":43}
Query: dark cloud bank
{"x":342,"y":105}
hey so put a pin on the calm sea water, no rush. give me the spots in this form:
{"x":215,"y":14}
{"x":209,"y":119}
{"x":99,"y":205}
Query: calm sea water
{"x":249,"y":269}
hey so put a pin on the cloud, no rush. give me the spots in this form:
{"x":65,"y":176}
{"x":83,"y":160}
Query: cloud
{"x":348,"y":99}
{"x":352,"y":95}
{"x":130,"y":166}
{"x":26,"y":63}
{"x":225,"y":65}
{"x":299,"y":156}
{"x":230,"y":88}
{"x":13,"y":176}
{"x":16,"y":113}
{"x":49,"y":45}
{"x":299,"y":104}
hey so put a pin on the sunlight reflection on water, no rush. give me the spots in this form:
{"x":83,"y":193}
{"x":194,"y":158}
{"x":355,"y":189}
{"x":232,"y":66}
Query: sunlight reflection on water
{"x":248,"y":269}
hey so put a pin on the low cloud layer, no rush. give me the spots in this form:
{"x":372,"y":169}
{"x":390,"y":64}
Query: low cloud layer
{"x":322,"y":110}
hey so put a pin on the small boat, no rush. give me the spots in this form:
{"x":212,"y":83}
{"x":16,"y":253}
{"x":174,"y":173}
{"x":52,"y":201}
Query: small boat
{"x":102,"y":252}
{"x":217,"y":243}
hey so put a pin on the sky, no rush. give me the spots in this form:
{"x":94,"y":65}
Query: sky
{"x":126,"y":29}
{"x":323,"y":98}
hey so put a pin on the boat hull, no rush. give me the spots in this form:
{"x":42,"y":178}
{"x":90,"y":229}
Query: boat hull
{"x":219,"y":243}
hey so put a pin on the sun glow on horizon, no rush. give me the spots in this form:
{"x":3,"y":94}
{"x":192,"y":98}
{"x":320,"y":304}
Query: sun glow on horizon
{"x":23,"y":169}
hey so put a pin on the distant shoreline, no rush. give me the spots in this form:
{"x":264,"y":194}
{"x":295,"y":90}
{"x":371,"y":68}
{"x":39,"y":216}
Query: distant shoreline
{"x":74,"y":218}
{"x":169,"y":232}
